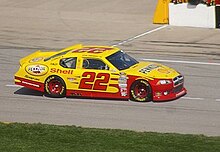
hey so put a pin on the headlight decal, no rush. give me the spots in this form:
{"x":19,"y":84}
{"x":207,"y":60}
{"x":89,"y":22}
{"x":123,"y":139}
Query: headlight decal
{"x":164,"y":82}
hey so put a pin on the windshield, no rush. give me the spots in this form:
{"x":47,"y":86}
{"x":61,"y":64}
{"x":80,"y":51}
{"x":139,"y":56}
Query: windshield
{"x":121,"y":60}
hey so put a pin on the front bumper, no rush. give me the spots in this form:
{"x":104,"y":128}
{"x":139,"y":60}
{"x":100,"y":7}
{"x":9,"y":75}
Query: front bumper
{"x":169,"y":95}
{"x":170,"y":91}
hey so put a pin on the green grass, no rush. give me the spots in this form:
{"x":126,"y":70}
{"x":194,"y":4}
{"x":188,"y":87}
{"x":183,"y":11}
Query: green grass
{"x":17,"y":137}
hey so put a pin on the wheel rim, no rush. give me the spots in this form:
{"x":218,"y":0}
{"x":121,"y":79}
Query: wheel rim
{"x":140,"y":90}
{"x":55,"y":87}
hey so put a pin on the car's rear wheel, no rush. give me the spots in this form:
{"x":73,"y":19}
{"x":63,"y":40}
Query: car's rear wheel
{"x":55,"y":86}
{"x":141,"y":91}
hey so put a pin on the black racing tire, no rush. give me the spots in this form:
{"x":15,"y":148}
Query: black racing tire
{"x":55,"y":87}
{"x":141,"y":91}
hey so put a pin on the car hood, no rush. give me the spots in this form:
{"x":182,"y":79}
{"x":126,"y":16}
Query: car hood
{"x":152,"y":70}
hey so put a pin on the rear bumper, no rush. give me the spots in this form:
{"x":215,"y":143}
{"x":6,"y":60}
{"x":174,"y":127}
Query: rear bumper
{"x":29,"y":83}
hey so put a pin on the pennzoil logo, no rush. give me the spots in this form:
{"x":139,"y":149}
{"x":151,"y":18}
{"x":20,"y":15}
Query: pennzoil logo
{"x":36,"y":70}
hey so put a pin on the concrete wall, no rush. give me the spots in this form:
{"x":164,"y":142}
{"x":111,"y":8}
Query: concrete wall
{"x":192,"y":15}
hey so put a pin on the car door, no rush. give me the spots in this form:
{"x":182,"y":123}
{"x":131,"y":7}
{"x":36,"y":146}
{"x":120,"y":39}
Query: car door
{"x":94,"y":78}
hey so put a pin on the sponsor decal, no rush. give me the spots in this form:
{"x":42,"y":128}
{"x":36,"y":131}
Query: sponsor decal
{"x":149,"y":68}
{"x":59,"y":71}
{"x":122,"y":83}
{"x":36,"y":69}
{"x":73,"y":80}
{"x":70,"y":79}
{"x":53,"y":64}
{"x":31,"y":78}
{"x":75,"y":94}
{"x":36,"y":59}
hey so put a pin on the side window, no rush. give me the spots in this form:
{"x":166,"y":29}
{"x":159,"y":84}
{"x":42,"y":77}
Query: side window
{"x":68,"y":63}
{"x":94,"y":64}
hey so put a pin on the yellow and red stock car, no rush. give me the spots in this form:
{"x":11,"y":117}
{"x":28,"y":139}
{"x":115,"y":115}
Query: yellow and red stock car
{"x":99,"y":72}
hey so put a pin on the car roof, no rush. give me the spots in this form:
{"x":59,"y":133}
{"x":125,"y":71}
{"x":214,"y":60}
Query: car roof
{"x":91,"y":50}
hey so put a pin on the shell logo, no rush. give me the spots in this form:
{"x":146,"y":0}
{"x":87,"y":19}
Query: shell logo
{"x":36,"y":70}
{"x":163,"y":70}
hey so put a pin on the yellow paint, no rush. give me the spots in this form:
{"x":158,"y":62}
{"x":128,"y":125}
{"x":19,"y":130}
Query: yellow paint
{"x":74,"y":78}
{"x":17,"y":80}
{"x":161,"y":14}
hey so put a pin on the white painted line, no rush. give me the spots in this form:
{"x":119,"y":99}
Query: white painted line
{"x":190,"y":98}
{"x":140,"y":35}
{"x":217,"y":100}
{"x":186,"y":62}
{"x":13,"y":85}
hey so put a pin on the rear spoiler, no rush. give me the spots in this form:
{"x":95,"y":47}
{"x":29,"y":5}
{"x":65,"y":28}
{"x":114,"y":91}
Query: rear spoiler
{"x":36,"y":54}
{"x":29,"y":57}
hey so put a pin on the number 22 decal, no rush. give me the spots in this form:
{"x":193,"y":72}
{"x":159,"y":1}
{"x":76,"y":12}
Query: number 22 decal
{"x":88,"y":78}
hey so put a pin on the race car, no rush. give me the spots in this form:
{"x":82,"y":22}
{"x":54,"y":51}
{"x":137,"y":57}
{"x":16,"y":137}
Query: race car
{"x":98,"y":72}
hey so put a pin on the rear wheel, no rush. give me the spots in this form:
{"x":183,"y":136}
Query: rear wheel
{"x":55,"y":86}
{"x":141,"y":91}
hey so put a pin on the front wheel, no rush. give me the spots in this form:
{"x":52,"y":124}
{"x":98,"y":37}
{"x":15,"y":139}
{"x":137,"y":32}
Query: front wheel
{"x":141,"y":91}
{"x":55,"y":86}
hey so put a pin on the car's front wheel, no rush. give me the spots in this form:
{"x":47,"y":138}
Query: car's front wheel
{"x":141,"y":91}
{"x":55,"y":86}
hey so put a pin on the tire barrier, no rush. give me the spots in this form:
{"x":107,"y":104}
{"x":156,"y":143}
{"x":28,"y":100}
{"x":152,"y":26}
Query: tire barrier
{"x":196,"y":2}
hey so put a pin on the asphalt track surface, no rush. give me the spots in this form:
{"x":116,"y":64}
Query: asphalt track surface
{"x":29,"y":25}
